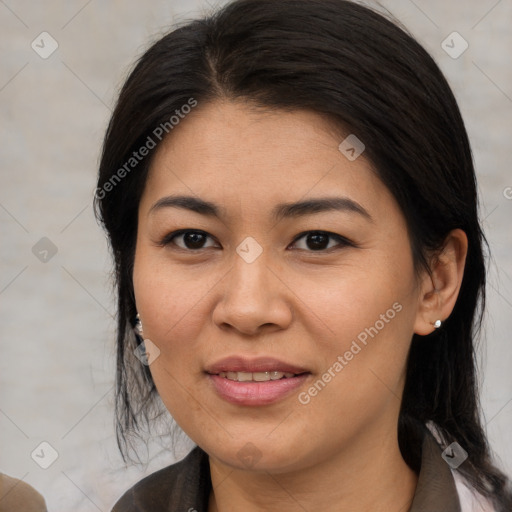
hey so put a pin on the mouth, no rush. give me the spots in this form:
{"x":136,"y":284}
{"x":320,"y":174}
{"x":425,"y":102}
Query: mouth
{"x":256,"y":376}
{"x":260,"y":381}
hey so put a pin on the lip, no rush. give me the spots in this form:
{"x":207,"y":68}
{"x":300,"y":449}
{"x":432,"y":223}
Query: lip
{"x":258,"y":364}
{"x":255,"y":393}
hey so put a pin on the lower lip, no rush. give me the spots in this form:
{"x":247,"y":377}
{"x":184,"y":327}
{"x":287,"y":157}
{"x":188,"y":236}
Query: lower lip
{"x":256,"y":393}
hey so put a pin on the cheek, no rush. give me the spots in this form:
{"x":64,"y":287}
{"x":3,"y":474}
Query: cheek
{"x":360,"y":301}
{"x":368,"y":315}
{"x":171,"y":304}
{"x":364,"y":363}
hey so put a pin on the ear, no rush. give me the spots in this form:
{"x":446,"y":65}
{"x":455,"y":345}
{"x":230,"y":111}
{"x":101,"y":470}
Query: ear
{"x":439,"y":292}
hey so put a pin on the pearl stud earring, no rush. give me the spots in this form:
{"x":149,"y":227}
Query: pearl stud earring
{"x":437,"y":324}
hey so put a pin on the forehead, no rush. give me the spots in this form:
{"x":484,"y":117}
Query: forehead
{"x":236,"y":153}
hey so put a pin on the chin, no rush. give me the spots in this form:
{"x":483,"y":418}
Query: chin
{"x":259,"y":454}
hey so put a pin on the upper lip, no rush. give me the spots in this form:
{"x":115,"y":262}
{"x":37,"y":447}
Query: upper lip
{"x":252,"y":365}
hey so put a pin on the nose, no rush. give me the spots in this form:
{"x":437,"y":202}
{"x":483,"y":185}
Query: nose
{"x":253,"y":299}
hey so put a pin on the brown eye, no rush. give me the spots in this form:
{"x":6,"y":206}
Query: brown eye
{"x":319,"y":241}
{"x":188,"y":239}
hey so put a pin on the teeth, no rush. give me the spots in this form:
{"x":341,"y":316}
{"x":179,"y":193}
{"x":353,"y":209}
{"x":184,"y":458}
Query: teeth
{"x":255,"y":376}
{"x":260,"y":376}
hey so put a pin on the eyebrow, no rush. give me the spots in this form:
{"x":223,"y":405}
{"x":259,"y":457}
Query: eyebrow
{"x":279,"y":212}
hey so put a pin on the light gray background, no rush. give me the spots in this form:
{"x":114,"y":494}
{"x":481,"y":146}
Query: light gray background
{"x":56,"y":323}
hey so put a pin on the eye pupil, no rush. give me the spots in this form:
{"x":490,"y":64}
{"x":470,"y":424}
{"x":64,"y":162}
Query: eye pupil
{"x":193,"y":240}
{"x":318,"y":241}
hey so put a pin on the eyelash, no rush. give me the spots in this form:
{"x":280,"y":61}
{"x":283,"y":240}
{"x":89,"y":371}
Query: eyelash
{"x":342,"y":241}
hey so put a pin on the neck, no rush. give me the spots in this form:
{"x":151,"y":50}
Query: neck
{"x":370,"y":474}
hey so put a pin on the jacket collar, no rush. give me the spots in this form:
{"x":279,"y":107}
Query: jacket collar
{"x":436,"y":488}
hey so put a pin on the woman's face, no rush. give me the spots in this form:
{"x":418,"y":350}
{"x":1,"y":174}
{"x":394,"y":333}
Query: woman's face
{"x":254,"y":291}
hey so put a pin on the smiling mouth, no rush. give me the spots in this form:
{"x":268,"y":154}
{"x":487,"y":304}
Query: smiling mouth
{"x":259,"y":381}
{"x":257,"y":376}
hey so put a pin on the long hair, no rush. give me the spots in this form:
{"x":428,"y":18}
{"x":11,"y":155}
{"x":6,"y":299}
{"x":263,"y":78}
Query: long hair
{"x":344,"y":60}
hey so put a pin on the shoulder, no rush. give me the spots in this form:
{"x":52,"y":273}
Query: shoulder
{"x":18,"y":495}
{"x":181,"y":486}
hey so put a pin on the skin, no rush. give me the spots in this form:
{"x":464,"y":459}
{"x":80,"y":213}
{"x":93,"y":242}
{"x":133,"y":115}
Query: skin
{"x":301,"y":305}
